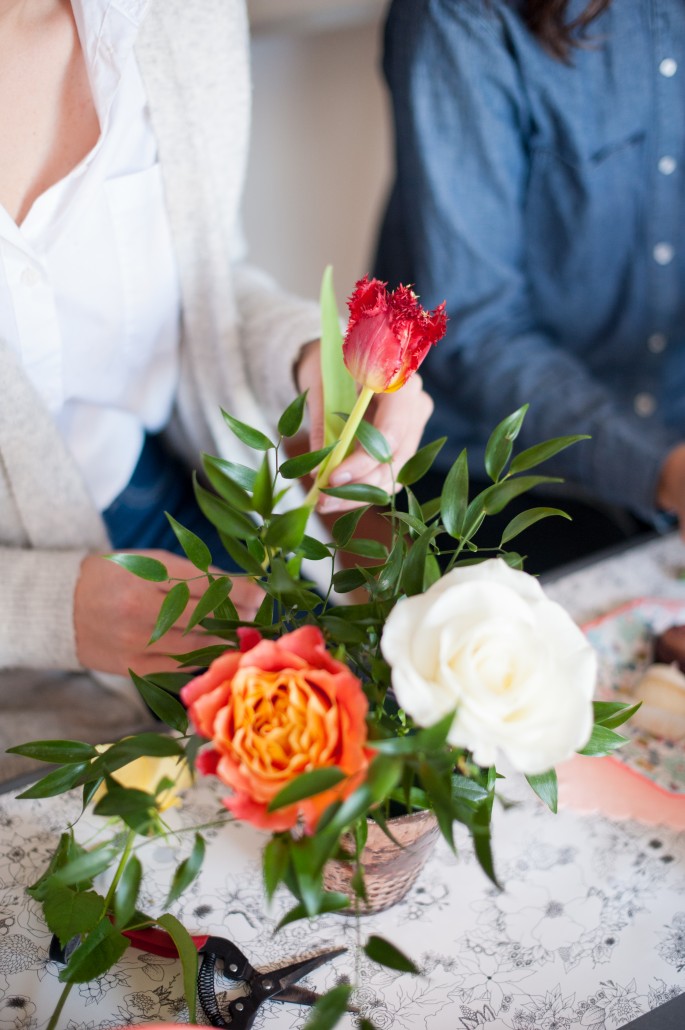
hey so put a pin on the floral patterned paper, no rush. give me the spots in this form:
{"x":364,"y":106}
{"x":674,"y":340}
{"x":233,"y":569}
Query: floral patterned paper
{"x":588,"y":931}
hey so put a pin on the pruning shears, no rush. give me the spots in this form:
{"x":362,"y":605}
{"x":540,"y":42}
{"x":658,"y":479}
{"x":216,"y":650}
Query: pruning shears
{"x":262,"y":985}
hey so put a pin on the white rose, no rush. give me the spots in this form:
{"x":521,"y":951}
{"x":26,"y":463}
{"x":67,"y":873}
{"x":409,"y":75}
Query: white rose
{"x":485,"y":642}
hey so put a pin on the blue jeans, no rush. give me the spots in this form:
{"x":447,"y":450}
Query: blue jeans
{"x":160,"y":483}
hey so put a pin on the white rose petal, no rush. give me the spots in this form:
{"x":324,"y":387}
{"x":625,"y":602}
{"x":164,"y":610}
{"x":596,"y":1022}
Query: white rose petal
{"x":487,"y":643}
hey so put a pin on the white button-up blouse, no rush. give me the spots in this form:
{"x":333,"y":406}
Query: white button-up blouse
{"x":89,"y":295}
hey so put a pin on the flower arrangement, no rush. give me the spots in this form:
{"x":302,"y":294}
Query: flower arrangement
{"x":322,"y":717}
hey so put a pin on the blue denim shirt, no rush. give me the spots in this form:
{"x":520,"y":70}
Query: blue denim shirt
{"x":546,"y":203}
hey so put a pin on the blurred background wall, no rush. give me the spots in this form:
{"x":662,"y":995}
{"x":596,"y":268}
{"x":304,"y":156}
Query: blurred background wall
{"x":321,"y":145}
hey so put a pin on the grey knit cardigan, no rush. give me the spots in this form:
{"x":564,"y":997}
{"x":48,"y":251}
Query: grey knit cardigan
{"x":240,"y":335}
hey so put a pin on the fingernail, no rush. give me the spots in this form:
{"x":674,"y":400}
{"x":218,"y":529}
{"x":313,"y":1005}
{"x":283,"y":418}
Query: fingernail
{"x":340,"y":478}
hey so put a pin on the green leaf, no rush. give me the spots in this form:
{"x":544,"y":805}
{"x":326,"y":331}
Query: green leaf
{"x":386,"y":954}
{"x":86,"y":866}
{"x":345,"y":526}
{"x":414,"y":570}
{"x":141,"y":566}
{"x":354,"y":806}
{"x":137,"y":808}
{"x":373,"y":442}
{"x":195,"y":550}
{"x":339,"y":388}
{"x":188,"y":954}
{"x":69,"y":912}
{"x":330,"y":1008}
{"x":262,"y":494}
{"x":308,"y":880}
{"x":241,"y":556}
{"x":224,"y":484}
{"x":495,"y":498}
{"x":161,"y":703}
{"x":499,"y":446}
{"x":248,"y":434}
{"x":201,"y":657}
{"x":383,"y":776}
{"x":330,"y":901}
{"x":274,"y":864}
{"x":421,"y":462}
{"x":313,"y":549}
{"x":127,"y":749}
{"x":533,"y":456}
{"x":215,"y":594}
{"x":482,"y":845}
{"x":603,"y":741}
{"x":101,"y":949}
{"x":466,"y":789}
{"x":613,"y":713}
{"x":291,"y":419}
{"x":348,"y":579}
{"x":306,"y":785}
{"x":187,"y":870}
{"x":243,"y":475}
{"x":65,"y":751}
{"x":528,"y":518}
{"x":265,"y":613}
{"x":172,"y":682}
{"x":57,"y":782}
{"x":367,"y":549}
{"x":343,"y":631}
{"x":546,"y":787}
{"x":303,"y":464}
{"x":287,"y":530}
{"x":226,"y":519}
{"x":455,"y":496}
{"x":360,"y":492}
{"x":173,"y":607}
{"x":127,"y":891}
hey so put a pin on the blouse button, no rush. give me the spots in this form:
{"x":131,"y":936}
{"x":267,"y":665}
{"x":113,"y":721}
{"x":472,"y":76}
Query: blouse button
{"x":668,"y":67}
{"x":663,"y":253}
{"x":657,"y":343}
{"x":644,"y":404}
{"x":667,"y":164}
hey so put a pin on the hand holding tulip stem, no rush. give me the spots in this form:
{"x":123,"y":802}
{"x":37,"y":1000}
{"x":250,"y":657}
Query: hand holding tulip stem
{"x":388,"y":336}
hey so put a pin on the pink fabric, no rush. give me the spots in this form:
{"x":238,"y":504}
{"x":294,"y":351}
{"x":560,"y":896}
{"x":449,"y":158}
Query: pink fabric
{"x":607,"y":786}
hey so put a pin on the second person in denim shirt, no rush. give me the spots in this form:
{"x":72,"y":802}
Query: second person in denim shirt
{"x":543,"y":194}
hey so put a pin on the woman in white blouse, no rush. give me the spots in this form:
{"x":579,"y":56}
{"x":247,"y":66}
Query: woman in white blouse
{"x":126,"y":310}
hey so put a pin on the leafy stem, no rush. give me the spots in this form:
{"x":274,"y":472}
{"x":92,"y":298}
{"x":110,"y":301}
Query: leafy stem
{"x":340,"y":450}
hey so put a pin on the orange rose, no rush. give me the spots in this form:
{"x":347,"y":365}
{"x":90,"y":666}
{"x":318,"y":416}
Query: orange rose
{"x":273,"y":711}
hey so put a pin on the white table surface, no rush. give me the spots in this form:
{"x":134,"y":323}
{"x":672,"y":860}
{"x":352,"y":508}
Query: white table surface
{"x":589,"y":931}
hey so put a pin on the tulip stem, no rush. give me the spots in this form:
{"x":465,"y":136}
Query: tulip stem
{"x":339,"y":452}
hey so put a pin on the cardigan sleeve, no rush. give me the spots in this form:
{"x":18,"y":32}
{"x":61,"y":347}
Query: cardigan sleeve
{"x":274,"y":326}
{"x":36,"y":608}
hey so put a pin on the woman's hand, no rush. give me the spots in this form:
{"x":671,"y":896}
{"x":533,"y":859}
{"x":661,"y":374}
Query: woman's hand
{"x":115,"y":613}
{"x":401,"y":417}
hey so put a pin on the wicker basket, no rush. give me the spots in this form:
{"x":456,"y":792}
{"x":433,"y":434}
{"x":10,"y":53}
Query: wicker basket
{"x":389,"y":870}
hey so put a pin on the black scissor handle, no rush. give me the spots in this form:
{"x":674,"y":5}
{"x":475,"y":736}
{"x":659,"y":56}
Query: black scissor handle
{"x":242,"y":1010}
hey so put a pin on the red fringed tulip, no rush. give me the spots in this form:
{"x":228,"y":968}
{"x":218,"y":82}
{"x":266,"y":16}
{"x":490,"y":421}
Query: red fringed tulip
{"x":388,"y":335}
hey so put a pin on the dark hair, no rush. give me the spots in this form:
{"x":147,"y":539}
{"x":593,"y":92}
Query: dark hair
{"x":547,"y":19}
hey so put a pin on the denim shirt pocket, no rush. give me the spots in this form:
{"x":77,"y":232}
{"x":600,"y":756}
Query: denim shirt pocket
{"x":583,"y":207}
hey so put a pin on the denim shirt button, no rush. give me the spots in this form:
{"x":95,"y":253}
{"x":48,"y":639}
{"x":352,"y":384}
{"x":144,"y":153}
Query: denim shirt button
{"x":667,"y":164}
{"x":668,"y":67}
{"x":657,"y":343}
{"x":663,"y":253}
{"x":644,"y":404}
